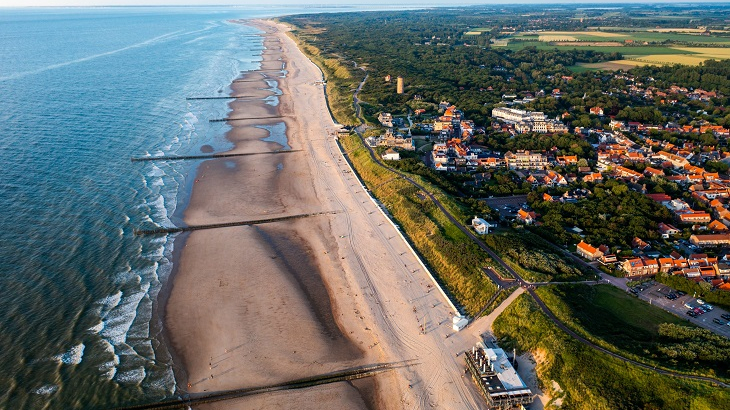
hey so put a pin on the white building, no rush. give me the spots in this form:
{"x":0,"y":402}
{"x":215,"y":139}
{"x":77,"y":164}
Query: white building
{"x":481,"y":226}
{"x":517,"y":116}
{"x":391,"y":155}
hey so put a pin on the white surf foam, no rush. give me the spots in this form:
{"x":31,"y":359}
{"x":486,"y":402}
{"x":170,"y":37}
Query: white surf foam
{"x":96,"y":328}
{"x":155,"y":171}
{"x":46,"y":390}
{"x":73,"y":356}
{"x":118,"y":321}
{"x":134,"y":376}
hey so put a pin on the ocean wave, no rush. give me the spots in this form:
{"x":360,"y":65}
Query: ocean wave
{"x":108,"y":303}
{"x":120,"y":319}
{"x":189,"y":121}
{"x":91,"y":57}
{"x":156,"y":171}
{"x":109,"y":368}
{"x":134,"y":376}
{"x":73,"y":356}
{"x":46,"y":390}
{"x":96,"y":328}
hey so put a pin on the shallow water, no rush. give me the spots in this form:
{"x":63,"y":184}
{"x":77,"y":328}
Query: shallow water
{"x":83,"y":91}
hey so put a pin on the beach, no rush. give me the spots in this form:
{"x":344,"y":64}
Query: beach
{"x":258,"y":305}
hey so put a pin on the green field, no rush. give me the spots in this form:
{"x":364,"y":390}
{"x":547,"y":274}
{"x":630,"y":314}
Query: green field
{"x":592,"y":380}
{"x":618,"y":321}
{"x":621,"y":36}
{"x":626,"y":51}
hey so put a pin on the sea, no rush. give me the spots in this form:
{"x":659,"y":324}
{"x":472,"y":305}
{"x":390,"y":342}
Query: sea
{"x":82,"y":91}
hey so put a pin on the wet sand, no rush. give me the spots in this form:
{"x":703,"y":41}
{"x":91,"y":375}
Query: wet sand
{"x":256,"y":305}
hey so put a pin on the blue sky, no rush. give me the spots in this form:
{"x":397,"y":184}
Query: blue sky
{"x":21,"y":3}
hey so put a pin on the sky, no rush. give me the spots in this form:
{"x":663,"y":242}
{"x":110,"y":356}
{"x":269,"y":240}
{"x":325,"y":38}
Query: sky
{"x":64,"y":3}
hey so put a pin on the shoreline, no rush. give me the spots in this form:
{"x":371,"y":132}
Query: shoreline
{"x":259,"y":133}
{"x":251,"y":306}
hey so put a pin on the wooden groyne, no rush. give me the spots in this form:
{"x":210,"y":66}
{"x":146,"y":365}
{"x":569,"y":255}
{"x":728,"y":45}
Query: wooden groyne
{"x":209,"y":156}
{"x":339,"y":376}
{"x":245,"y":118}
{"x":228,"y":97}
{"x":165,"y":231}
{"x":273,"y":70}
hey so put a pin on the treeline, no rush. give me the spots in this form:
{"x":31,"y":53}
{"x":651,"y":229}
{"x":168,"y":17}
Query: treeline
{"x":710,"y":75}
{"x":612,"y":215}
{"x":426,"y":48}
{"x":567,"y":144}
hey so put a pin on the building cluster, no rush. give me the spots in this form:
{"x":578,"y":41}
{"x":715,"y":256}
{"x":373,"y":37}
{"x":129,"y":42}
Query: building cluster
{"x":496,"y":378}
{"x":452,"y":124}
{"x":528,"y":121}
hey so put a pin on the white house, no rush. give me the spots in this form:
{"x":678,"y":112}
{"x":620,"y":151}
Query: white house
{"x":481,"y":226}
{"x":391,"y":155}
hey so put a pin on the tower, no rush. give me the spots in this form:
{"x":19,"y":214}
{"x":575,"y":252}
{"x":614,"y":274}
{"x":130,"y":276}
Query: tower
{"x":399,"y":86}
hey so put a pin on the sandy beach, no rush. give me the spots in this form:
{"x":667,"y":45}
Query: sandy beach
{"x":256,"y":305}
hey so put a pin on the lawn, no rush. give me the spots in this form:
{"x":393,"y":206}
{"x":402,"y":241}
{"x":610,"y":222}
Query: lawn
{"x":618,"y":321}
{"x":593,"y":380}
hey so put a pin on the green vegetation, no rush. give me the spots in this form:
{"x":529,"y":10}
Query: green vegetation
{"x":612,"y":215}
{"x":534,"y":259}
{"x":427,"y":48}
{"x":451,"y":255}
{"x":701,"y":290}
{"x":592,"y":380}
{"x":619,"y":322}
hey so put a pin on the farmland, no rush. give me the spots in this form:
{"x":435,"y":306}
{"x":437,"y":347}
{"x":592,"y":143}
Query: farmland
{"x":639,"y":47}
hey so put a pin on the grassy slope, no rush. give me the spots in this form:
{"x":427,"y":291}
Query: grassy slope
{"x":450,"y":254}
{"x":619,"y":322}
{"x":593,"y":380}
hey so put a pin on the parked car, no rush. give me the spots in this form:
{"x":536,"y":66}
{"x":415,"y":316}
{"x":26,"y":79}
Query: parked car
{"x":708,"y":307}
{"x":688,"y":305}
{"x":692,"y":313}
{"x":700,"y":301}
{"x":680,"y":293}
{"x":699,"y":311}
{"x":725,"y":316}
{"x":718,"y":321}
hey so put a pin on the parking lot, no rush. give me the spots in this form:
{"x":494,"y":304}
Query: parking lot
{"x":507,"y":205}
{"x":656,"y":294}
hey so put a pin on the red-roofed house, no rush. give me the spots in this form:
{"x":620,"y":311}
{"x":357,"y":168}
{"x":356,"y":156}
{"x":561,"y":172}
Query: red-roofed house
{"x":587,"y":251}
{"x":667,"y":230}
{"x":717,"y":226}
{"x":526,"y":217}
{"x":661,"y":198}
{"x":640,"y":267}
{"x":595,"y":177}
